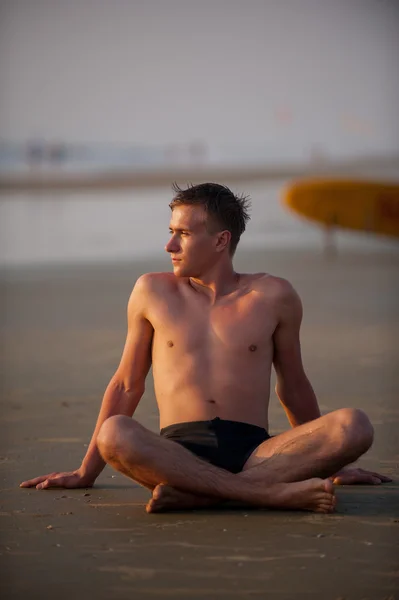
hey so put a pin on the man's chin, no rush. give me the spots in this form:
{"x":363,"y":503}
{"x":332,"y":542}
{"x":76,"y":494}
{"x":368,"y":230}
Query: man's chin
{"x":178,"y":270}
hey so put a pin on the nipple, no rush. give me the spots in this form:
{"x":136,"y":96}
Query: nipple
{"x":252,"y":348}
{"x":170,"y":343}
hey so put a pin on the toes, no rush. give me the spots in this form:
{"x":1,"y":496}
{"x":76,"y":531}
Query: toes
{"x":149,"y":507}
{"x":326,"y":503}
{"x":326,"y":499}
{"x":329,"y":506}
{"x":152,"y":505}
{"x":157,"y":492}
{"x":328,"y":486}
{"x":325,"y":508}
{"x":321,"y":508}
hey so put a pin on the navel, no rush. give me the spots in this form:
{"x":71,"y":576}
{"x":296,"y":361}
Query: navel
{"x":170,"y":343}
{"x":212,"y":401}
{"x":252,"y":348}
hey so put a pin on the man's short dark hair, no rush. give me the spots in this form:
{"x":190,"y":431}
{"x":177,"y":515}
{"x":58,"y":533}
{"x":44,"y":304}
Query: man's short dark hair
{"x":226,"y":211}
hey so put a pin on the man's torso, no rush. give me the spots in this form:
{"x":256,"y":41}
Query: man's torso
{"x":213,"y":360}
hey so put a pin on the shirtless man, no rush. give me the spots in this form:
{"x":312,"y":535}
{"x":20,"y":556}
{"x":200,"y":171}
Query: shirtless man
{"x":212,"y":336}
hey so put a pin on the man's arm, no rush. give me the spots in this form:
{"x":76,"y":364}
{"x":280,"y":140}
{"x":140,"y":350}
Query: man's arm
{"x":293,"y":387}
{"x":126,"y":387}
{"x":123,"y":392}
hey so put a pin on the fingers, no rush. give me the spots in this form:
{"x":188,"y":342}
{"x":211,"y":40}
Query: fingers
{"x":45,"y":484}
{"x":376,"y":478}
{"x":29,"y":483}
{"x":361,"y":478}
{"x":382,"y":478}
{"x":34,"y":482}
{"x":57,"y":480}
{"x":51,"y":482}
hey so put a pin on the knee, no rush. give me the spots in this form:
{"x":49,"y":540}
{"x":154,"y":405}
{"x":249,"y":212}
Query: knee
{"x":112,"y":434}
{"x":356,"y":430}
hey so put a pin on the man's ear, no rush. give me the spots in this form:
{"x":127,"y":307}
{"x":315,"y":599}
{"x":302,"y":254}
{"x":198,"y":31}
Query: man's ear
{"x":223,"y":240}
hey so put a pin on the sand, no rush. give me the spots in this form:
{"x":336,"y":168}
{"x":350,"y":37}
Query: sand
{"x":62,"y":332}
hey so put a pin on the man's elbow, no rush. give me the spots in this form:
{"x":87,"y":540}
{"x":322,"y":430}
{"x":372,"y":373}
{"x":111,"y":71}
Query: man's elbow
{"x":128,"y":388}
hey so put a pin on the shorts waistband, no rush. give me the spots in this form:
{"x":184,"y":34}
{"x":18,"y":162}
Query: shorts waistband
{"x":210,"y":424}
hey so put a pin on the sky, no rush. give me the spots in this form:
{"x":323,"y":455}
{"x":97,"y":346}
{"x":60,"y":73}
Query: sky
{"x":288,"y":76}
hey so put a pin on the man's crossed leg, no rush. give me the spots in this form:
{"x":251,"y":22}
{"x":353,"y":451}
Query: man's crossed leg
{"x":290,"y":470}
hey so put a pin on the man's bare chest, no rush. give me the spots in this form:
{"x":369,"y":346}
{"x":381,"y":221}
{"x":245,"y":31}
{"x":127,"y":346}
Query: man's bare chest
{"x":242,"y":325}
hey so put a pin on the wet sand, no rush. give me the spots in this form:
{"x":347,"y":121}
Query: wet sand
{"x":62,"y":333}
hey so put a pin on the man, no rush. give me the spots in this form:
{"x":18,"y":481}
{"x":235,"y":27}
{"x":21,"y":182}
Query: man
{"x":212,"y":336}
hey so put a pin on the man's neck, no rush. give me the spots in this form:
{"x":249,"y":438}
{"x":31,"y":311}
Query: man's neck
{"x":216,"y":284}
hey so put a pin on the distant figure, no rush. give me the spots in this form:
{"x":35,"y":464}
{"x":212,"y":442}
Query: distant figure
{"x":57,"y":153}
{"x":35,"y":153}
{"x":212,"y":336}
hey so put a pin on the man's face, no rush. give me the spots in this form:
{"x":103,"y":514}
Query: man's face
{"x":191,"y":246}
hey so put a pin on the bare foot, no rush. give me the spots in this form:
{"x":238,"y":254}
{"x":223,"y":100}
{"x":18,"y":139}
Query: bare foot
{"x":316,"y":495}
{"x":166,"y":498}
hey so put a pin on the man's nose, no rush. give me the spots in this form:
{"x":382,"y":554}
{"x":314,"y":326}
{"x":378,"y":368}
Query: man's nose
{"x":172,"y":245}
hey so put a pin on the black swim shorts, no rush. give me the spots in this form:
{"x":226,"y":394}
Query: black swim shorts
{"x":225,"y":444}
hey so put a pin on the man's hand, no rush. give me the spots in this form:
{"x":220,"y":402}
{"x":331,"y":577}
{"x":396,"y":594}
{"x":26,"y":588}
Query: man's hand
{"x":351,"y":476}
{"x":73,"y":479}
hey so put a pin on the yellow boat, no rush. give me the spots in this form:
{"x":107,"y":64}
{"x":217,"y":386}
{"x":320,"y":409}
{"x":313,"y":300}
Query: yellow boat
{"x":359,"y":205}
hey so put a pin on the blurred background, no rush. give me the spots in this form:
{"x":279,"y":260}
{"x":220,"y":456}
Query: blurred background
{"x":104,"y":104}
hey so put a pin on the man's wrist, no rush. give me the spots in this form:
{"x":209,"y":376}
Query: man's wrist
{"x":86,"y":474}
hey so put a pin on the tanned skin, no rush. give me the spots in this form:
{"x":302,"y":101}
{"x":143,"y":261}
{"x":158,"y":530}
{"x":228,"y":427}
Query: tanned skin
{"x":212,"y":337}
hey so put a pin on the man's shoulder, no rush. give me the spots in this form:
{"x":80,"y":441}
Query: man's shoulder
{"x":279,"y":295}
{"x":273,"y":286}
{"x":154,"y":283}
{"x":149,"y":289}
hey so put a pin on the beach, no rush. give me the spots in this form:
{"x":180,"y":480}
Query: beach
{"x":63,"y":330}
{"x":102,"y":112}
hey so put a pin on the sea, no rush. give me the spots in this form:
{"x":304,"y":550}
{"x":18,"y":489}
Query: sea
{"x":39,"y":228}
